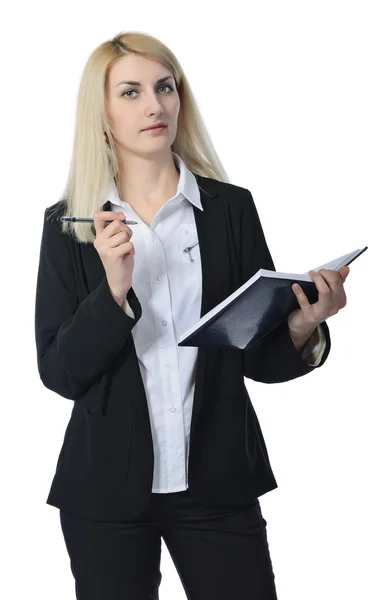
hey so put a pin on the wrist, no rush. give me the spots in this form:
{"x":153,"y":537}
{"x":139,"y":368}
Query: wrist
{"x":300,"y":339}
{"x":118,"y":297}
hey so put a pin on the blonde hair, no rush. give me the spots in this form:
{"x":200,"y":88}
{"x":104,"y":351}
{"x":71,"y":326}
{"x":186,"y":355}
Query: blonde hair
{"x":94,"y":159}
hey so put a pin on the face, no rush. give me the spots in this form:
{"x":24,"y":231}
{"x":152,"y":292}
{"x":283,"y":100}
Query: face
{"x":132,"y":107}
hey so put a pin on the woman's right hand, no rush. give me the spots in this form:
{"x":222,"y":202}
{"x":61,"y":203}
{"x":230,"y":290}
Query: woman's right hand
{"x":115,"y":250}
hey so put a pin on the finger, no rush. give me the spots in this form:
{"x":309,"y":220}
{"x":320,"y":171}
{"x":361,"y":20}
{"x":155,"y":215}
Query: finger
{"x":115,"y":234}
{"x":101,"y":216}
{"x":127,"y":248}
{"x":301,"y":297}
{"x":324,"y":292}
{"x":332,"y":279}
{"x":344,"y":272}
{"x":321,"y":282}
{"x":340,"y":294}
{"x":118,"y":237}
{"x":115,"y":227}
{"x":336,"y":298}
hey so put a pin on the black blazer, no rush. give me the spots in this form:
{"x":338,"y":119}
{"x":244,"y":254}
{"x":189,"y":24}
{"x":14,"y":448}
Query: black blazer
{"x":86,"y":353}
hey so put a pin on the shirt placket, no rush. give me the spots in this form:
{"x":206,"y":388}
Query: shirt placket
{"x":173,"y":446}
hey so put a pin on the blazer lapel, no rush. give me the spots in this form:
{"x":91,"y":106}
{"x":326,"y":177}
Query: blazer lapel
{"x":215,"y":276}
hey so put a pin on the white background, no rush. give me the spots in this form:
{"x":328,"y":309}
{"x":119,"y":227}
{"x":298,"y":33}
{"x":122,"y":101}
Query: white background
{"x":292,"y":94}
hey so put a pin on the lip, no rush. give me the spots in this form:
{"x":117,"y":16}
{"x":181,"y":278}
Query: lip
{"x":159,"y":126}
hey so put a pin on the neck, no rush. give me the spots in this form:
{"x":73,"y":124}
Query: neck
{"x":147,"y":181}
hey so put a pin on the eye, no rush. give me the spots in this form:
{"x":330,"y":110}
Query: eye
{"x":165,"y":86}
{"x":161,"y":86}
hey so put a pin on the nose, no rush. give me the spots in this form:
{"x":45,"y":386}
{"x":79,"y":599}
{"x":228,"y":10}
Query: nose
{"x":154,"y":104}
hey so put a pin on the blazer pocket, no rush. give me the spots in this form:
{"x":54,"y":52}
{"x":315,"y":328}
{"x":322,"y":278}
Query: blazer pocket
{"x":109,"y":443}
{"x":228,"y":444}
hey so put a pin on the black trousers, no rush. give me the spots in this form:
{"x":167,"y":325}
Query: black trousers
{"x":219,"y":554}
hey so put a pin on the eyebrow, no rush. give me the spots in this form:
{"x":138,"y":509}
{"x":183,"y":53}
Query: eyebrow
{"x":139,"y":84}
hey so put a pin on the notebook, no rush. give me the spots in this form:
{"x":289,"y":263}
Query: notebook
{"x":256,"y":308}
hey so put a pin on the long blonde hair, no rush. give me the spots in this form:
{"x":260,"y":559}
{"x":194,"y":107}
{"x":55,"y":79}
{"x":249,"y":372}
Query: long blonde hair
{"x":94,"y":160}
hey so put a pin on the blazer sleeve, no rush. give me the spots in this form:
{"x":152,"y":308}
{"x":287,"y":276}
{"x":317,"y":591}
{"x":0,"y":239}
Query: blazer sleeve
{"x":274,"y":358}
{"x":76,"y":341}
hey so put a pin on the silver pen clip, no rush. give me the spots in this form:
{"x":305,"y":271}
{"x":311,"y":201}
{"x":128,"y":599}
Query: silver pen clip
{"x":189,"y":248}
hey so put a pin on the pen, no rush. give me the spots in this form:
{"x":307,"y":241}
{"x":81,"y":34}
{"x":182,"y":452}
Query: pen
{"x":87,"y":220}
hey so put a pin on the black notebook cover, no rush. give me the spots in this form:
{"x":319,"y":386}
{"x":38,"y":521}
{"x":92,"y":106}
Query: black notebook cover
{"x":256,"y":308}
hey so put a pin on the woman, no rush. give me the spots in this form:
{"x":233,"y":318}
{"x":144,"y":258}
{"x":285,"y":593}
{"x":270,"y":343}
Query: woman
{"x":107,"y":338}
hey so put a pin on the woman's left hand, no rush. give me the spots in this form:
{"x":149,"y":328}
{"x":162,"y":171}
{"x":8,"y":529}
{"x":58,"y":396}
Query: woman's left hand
{"x":331,"y":298}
